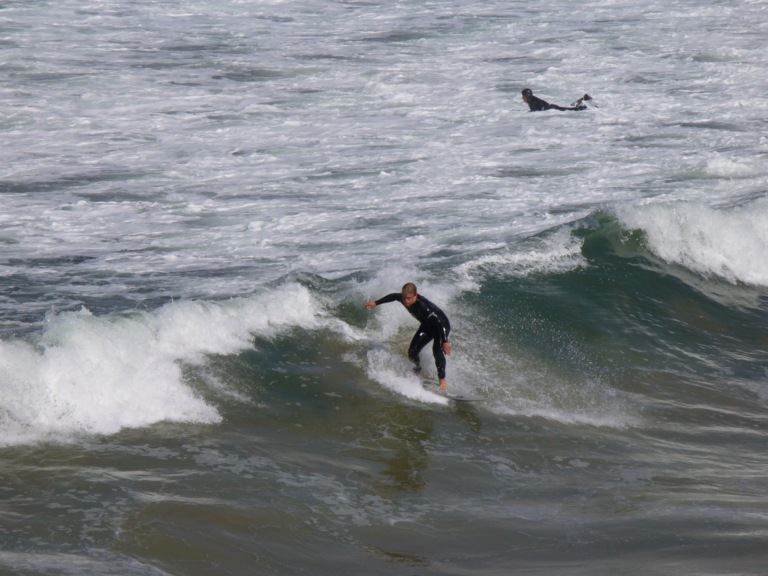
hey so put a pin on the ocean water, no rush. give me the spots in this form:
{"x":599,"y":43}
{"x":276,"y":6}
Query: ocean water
{"x":197,"y":197}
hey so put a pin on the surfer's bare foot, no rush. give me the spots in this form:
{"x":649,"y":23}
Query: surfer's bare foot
{"x":443,"y":385}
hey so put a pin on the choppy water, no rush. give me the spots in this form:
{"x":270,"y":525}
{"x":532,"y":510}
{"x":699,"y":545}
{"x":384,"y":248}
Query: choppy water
{"x":197,"y":197}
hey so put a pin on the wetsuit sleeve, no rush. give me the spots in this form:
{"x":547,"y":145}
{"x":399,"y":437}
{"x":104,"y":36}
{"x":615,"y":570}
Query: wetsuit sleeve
{"x":394,"y":297}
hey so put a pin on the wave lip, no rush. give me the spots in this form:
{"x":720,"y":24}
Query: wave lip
{"x":98,"y":375}
{"x":730,"y":244}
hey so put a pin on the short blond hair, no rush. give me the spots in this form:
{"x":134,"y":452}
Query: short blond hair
{"x":409,"y":288}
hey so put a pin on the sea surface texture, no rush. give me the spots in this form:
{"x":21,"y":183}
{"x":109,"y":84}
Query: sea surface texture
{"x":197,"y":197}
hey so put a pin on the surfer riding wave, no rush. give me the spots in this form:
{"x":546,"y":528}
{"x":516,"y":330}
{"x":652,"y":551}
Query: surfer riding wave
{"x":434,"y":326}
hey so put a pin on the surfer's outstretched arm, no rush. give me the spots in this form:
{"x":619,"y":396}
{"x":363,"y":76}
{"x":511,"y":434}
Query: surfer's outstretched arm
{"x":393,"y":297}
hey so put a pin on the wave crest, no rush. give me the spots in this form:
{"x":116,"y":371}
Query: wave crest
{"x":730,"y":244}
{"x":97,"y":375}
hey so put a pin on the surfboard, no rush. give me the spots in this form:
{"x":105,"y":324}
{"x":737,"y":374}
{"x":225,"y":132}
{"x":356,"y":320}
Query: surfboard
{"x":462,"y":398}
{"x":429,"y":386}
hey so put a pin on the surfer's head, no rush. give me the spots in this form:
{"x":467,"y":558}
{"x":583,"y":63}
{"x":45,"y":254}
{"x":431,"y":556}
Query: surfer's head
{"x":409,"y":293}
{"x":527,"y":93}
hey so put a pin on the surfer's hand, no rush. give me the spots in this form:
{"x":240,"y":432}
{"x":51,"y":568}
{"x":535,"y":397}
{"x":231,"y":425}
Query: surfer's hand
{"x":370,"y":304}
{"x":447,"y":348}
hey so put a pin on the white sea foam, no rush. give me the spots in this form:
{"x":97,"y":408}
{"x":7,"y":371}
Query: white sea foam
{"x":394,"y":373}
{"x":723,"y":167}
{"x":324,"y":148}
{"x":728,"y":243}
{"x":571,"y":417}
{"x":90,"y":374}
{"x":555,"y":253}
{"x":68,"y":563}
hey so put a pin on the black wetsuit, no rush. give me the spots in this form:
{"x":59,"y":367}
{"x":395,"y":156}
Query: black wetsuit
{"x":434,"y":326}
{"x":536,"y":104}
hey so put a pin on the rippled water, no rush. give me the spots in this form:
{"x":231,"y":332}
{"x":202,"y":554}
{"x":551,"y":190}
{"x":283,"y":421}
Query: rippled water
{"x":198,"y":197}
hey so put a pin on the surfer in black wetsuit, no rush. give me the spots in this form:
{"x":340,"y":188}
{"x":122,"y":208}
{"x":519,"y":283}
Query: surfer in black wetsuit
{"x":536,"y":104}
{"x":433,"y":326}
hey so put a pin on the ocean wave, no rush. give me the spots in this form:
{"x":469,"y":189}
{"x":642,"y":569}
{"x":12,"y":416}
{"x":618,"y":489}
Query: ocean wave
{"x":727,"y":243}
{"x":97,"y":375}
{"x":553,"y":253}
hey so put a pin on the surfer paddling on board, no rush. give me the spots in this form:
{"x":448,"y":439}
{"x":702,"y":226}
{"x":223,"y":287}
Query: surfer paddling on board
{"x":433,"y":326}
{"x":536,"y":104}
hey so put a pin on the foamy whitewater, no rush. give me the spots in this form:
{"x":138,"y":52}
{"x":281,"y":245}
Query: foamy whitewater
{"x":198,"y":197}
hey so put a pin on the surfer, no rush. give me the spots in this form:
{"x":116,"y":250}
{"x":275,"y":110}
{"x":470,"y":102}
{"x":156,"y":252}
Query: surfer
{"x":434,"y":325}
{"x":536,"y":104}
